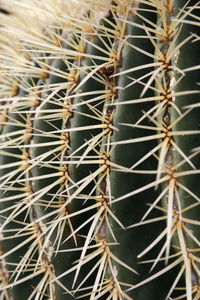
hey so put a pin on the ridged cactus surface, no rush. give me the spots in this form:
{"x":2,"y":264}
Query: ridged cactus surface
{"x":99,"y":149}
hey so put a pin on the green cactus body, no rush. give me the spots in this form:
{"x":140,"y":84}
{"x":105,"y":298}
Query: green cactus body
{"x":99,"y":150}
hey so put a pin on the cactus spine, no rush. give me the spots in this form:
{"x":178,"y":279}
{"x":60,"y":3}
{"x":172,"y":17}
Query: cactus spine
{"x":99,"y":150}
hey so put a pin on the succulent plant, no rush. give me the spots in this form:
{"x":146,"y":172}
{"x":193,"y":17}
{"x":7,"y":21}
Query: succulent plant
{"x":99,"y":149}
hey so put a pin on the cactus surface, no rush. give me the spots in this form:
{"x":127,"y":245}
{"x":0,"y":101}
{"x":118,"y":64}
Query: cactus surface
{"x":99,"y":149}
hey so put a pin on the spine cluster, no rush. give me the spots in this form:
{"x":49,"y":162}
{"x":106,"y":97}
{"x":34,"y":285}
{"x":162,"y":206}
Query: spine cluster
{"x":81,"y":84}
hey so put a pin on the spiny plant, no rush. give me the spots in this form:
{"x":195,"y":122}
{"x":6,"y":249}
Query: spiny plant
{"x":99,"y":149}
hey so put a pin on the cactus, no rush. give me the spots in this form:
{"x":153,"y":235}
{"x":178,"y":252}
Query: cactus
{"x":99,"y":150}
